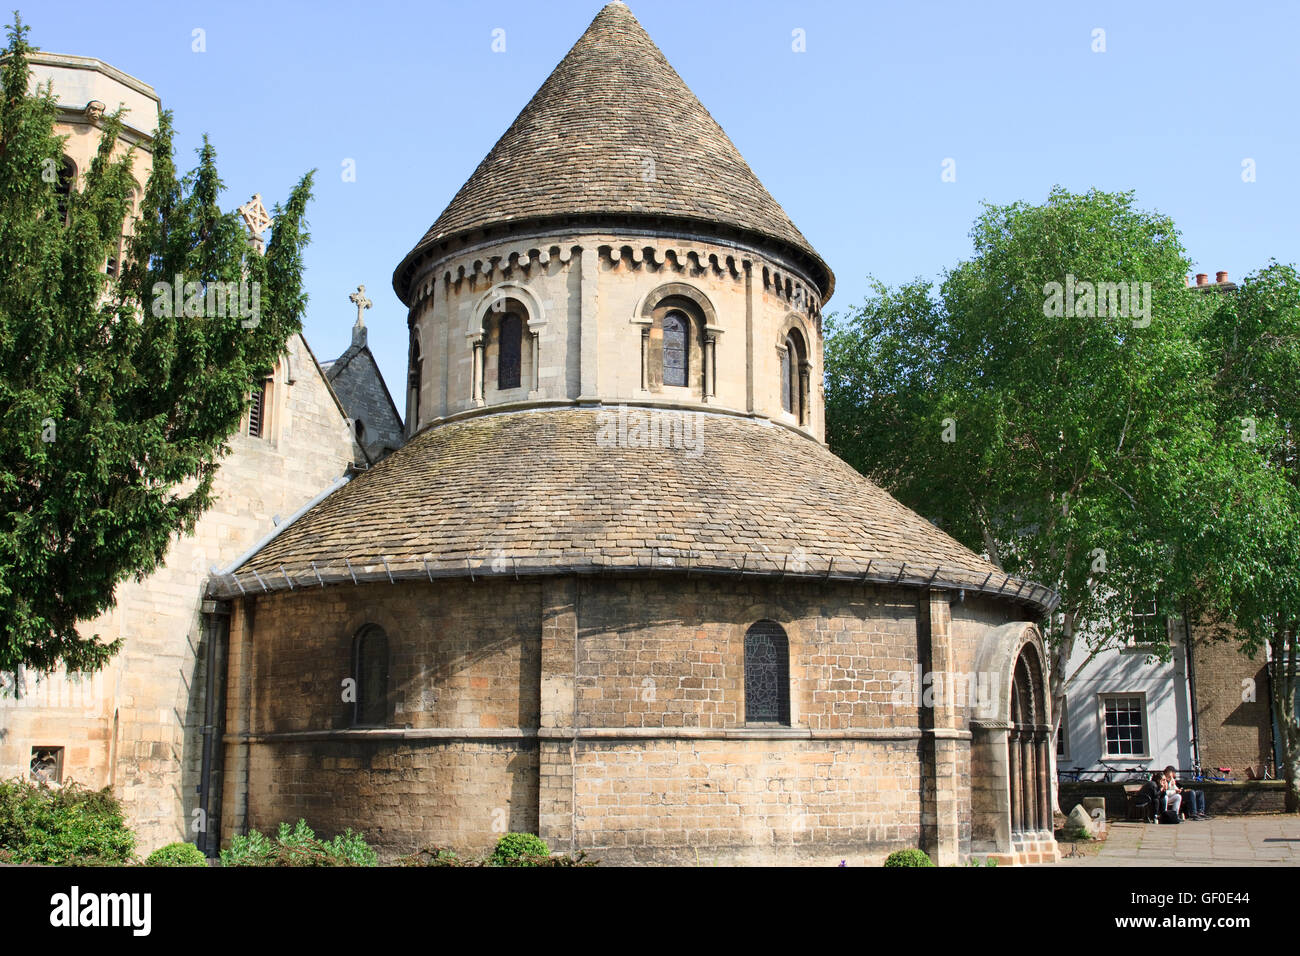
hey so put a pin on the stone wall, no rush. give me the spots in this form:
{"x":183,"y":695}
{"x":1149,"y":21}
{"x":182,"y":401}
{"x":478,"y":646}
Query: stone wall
{"x":1220,"y":798}
{"x":585,"y":298}
{"x":606,"y":713}
{"x":137,"y":725}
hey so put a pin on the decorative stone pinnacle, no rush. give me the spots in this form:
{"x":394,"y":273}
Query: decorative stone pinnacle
{"x":256,"y":218}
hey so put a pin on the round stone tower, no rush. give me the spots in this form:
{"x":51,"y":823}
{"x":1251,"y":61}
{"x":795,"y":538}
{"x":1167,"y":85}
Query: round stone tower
{"x":615,"y":247}
{"x":614,"y":589}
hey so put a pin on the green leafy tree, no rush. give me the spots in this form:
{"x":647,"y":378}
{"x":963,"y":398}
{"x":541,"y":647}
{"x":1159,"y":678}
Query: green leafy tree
{"x":1252,"y":588}
{"x":1061,"y":442}
{"x":114,"y":410}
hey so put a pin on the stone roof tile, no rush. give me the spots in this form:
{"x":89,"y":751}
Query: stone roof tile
{"x":539,"y":492}
{"x":615,"y":131}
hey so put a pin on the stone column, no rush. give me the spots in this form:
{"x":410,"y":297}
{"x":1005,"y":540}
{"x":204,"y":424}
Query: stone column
{"x":645,"y":357}
{"x":1017,"y":800}
{"x":477,"y":374}
{"x":537,"y":362}
{"x":750,"y":295}
{"x":1028,"y":783}
{"x":1045,"y":780}
{"x":588,"y":324}
{"x":557,"y":717}
{"x":236,"y":754}
{"x":940,"y":724}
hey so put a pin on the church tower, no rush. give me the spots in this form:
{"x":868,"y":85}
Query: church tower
{"x":615,"y":247}
{"x":614,"y":589}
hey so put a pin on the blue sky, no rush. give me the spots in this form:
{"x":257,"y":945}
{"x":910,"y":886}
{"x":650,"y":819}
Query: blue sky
{"x":849,"y":136}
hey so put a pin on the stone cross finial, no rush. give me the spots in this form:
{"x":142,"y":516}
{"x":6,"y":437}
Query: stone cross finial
{"x":362,"y":303}
{"x":257,"y":219}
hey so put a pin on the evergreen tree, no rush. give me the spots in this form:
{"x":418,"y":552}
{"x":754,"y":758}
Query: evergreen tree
{"x":115,"y":410}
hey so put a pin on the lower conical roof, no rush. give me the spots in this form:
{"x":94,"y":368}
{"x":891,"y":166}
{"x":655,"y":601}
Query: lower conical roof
{"x":550,"y":491}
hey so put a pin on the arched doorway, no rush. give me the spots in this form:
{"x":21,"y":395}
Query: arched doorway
{"x":1012,"y":800}
{"x":1029,"y":760}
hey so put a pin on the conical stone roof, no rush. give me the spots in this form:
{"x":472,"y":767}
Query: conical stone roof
{"x":564,"y":491}
{"x":614,"y":131}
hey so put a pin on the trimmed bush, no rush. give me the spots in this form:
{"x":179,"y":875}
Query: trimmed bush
{"x":909,"y":858}
{"x":177,"y":854}
{"x":518,"y":849}
{"x":298,"y":846}
{"x":69,"y":825}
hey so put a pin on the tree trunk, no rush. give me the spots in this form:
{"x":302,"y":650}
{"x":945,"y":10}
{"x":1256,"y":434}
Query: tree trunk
{"x":1283,"y":678}
{"x":1056,"y":684}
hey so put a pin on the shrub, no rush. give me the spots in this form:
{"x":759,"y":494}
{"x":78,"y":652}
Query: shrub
{"x":442,"y":856}
{"x":69,"y":825}
{"x":518,"y":849}
{"x":909,"y":858}
{"x":436,"y":856}
{"x":298,"y":846}
{"x":177,"y":854}
{"x":529,"y":859}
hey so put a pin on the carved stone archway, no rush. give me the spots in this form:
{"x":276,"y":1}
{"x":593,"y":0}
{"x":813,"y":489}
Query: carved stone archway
{"x":1011,"y":796}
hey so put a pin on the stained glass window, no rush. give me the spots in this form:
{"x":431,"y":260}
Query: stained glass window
{"x":675,"y":348}
{"x":508,"y":359}
{"x":371,"y":674}
{"x":767,"y":674}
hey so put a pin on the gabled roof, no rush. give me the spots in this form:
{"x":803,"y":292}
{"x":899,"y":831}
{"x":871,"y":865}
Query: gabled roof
{"x":614,"y":131}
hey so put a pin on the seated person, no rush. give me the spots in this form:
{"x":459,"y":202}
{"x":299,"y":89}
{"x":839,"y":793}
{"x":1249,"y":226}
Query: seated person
{"x":1170,"y":798}
{"x":1193,"y":802}
{"x":1149,"y":800}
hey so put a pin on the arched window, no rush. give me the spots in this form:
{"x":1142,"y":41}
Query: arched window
{"x":413,"y":381}
{"x":63,"y":186}
{"x":510,"y":351}
{"x":676,"y":348}
{"x":793,"y":358}
{"x":370,"y":670}
{"x":361,"y":432}
{"x":767,"y":674}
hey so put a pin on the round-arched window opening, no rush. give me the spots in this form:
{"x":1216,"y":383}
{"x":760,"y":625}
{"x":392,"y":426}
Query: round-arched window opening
{"x":510,"y":354}
{"x":677,"y":355}
{"x":767,"y":674}
{"x":370,"y":671}
{"x":793,"y":359}
{"x":360,"y":430}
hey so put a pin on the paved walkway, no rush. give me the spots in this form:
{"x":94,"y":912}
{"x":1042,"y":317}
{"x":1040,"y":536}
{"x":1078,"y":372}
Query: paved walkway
{"x":1260,"y":840}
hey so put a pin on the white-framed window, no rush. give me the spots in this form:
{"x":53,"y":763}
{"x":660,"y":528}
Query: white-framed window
{"x":1124,"y":725}
{"x":1150,"y":624}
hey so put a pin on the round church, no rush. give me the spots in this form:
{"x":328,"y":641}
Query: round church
{"x":614,"y":589}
